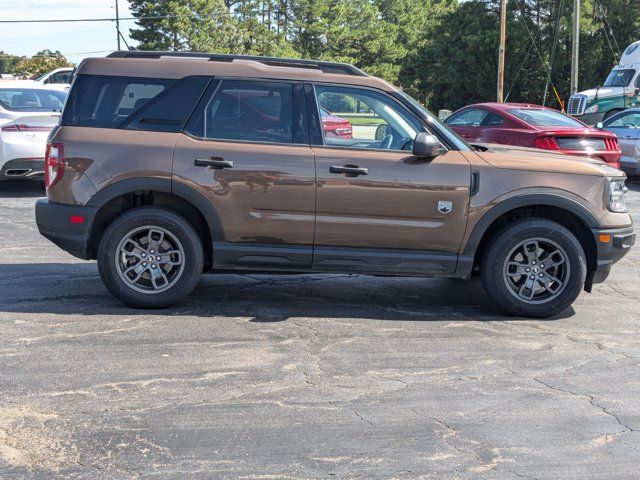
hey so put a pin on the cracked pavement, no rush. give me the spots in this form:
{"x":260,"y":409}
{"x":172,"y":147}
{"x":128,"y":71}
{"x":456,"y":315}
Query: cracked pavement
{"x":311,"y":376}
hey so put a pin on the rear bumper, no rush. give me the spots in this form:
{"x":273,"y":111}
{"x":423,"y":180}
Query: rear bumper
{"x":609,"y":252}
{"x":608,"y":156}
{"x":630,"y":166}
{"x":54,"y":222}
{"x":22,"y":168}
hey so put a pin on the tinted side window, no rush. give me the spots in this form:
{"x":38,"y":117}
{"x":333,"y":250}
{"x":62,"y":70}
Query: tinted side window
{"x":110,"y":101}
{"x":469,"y":118}
{"x":246,"y":111}
{"x":170,"y":109}
{"x":77,"y":96}
{"x":60,"y":77}
{"x":492,"y":120}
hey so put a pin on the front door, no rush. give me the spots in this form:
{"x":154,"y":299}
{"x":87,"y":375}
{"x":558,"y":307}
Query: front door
{"x":246,"y":151}
{"x":379,"y":208}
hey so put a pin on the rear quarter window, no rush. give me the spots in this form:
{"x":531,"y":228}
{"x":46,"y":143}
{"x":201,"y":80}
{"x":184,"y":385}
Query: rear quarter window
{"x":133,"y":103}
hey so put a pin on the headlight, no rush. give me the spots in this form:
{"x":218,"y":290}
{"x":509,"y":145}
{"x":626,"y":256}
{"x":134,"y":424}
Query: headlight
{"x":616,"y":195}
{"x":592,"y":109}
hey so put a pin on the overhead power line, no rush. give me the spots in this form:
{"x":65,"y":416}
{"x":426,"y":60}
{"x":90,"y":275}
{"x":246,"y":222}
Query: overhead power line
{"x":19,"y":57}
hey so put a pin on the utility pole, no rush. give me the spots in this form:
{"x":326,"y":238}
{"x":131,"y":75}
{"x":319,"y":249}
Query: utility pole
{"x":117,"y":25}
{"x":501,"y":50}
{"x":575,"y":46}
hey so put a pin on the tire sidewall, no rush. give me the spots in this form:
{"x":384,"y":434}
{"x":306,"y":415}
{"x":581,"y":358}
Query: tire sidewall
{"x":510,"y":237}
{"x":150,"y":216}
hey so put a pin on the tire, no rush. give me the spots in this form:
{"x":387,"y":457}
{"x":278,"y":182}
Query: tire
{"x":168,"y":275}
{"x":511,"y":251}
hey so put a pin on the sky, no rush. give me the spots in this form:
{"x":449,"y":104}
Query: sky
{"x":75,"y":40}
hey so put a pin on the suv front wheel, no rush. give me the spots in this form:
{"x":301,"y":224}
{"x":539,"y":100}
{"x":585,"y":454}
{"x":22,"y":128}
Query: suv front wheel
{"x":534,"y":268}
{"x":150,"y":257}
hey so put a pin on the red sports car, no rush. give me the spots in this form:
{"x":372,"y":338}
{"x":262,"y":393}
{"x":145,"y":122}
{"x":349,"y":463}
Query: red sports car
{"x":533,"y":126}
{"x":335,"y":126}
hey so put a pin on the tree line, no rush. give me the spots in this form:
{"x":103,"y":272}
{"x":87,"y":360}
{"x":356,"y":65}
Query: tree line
{"x":32,"y":67}
{"x":443,"y":52}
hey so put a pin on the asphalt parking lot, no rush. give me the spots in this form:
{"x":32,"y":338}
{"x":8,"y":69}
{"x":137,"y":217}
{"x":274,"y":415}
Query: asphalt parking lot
{"x":307,"y":376}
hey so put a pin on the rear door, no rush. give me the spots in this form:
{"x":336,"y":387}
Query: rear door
{"x":246,"y":151}
{"x":626,"y":126}
{"x":379,"y":208}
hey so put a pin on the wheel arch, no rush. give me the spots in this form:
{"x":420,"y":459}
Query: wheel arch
{"x":131,"y":193}
{"x":565,"y":211}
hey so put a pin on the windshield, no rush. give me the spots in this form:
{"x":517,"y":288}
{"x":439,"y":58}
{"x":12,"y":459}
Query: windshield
{"x":452,"y":136}
{"x":619,"y":78}
{"x":31,"y":100}
{"x":544,"y":118}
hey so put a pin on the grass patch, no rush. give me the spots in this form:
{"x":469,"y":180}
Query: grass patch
{"x":361,"y":120}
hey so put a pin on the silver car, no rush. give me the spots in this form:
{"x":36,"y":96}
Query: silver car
{"x":626,"y":125}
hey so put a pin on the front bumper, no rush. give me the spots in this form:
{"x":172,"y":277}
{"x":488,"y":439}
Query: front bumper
{"x":612,"y":245}
{"x":61,"y":224}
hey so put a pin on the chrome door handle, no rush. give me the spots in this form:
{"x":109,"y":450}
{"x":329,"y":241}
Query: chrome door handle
{"x":213,"y":162}
{"x":349,"y":170}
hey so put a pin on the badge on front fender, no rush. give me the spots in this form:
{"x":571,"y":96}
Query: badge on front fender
{"x":445,"y":207}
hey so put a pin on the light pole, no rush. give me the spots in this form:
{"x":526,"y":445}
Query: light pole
{"x":575,"y":46}
{"x":501,"y":50}
{"x":117,"y":25}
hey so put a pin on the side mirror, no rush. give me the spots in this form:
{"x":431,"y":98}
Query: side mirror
{"x":599,"y":125}
{"x":427,"y":145}
{"x":382,"y":131}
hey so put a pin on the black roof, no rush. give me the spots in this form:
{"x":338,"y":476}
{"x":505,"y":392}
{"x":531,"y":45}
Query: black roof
{"x":326,"y":67}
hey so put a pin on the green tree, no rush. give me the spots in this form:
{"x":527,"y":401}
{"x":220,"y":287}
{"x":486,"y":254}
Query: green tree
{"x":42,"y":62}
{"x":263,"y":26}
{"x":8,"y":62}
{"x":197,"y":25}
{"x":444,"y":52}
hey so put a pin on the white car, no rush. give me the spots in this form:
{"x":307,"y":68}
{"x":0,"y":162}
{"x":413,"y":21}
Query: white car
{"x":58,"y":79}
{"x":28,"y":113}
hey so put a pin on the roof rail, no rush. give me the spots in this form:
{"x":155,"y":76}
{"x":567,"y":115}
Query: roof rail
{"x":326,"y":67}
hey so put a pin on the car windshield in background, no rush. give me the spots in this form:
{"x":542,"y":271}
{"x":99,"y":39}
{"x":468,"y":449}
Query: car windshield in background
{"x":544,"y":118}
{"x":619,"y":78}
{"x":31,"y":100}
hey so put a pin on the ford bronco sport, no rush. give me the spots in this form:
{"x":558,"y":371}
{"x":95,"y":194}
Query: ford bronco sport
{"x":168,"y":165}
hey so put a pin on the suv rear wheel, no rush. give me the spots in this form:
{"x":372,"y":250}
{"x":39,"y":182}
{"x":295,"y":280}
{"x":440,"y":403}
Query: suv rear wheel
{"x":534,"y":267}
{"x":150,"y":257}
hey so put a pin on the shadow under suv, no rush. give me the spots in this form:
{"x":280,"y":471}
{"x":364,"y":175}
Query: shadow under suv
{"x":166,"y":165}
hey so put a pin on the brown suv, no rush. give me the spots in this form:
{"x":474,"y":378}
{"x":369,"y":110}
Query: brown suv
{"x":166,"y":165}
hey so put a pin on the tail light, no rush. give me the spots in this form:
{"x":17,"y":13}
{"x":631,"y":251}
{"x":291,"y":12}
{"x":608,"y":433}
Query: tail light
{"x":344,"y":131}
{"x":53,"y":164}
{"x":612,"y":144}
{"x":546,"y":143}
{"x":25,"y":128}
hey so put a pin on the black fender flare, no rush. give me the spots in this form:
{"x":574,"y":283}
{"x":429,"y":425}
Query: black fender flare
{"x":528,"y":200}
{"x":165,"y":185}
